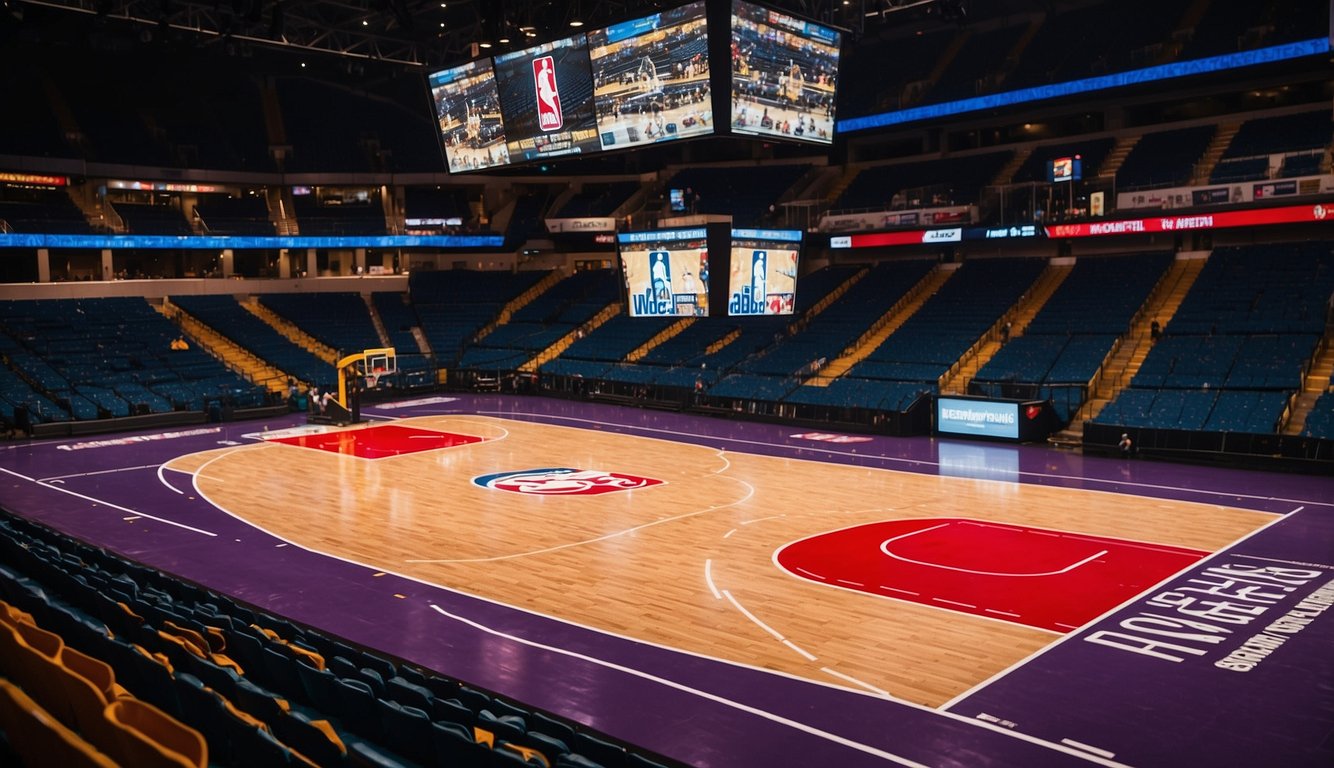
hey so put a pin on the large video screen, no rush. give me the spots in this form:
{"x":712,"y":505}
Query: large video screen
{"x":467,"y":112}
{"x":546,"y":97}
{"x":977,"y":418}
{"x":651,"y":78}
{"x":763,"y":278}
{"x":784,"y":75}
{"x":1065,"y":169}
{"x":666,"y":272}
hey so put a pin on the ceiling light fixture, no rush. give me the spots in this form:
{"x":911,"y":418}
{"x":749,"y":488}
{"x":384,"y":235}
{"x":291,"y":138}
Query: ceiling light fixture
{"x":576,"y":23}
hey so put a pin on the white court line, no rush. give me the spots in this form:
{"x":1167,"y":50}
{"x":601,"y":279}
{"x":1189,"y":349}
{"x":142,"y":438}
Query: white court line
{"x":107,"y":503}
{"x":1129,"y":543}
{"x":767,"y":628}
{"x":794,"y":724}
{"x":884,"y":547}
{"x":1287,"y":562}
{"x":1067,"y":637}
{"x":482,"y":441}
{"x":777,"y":554}
{"x":538,"y":417}
{"x":162,"y":478}
{"x":896,"y":589}
{"x":761,"y":519}
{"x":1087,"y":747}
{"x":809,"y":573}
{"x":728,"y":535}
{"x":777,"y":635}
{"x":971,"y":722}
{"x":750,"y":491}
{"x":855,"y":681}
{"x":953,"y":602}
{"x":1098,"y":538}
{"x":708,"y":579}
{"x":1002,"y":613}
{"x":809,"y":656}
{"x":98,"y":472}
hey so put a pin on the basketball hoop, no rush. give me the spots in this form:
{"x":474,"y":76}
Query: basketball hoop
{"x":360,"y":372}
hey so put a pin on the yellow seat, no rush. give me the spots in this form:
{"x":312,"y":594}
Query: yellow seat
{"x":151,"y":738}
{"x":36,"y":671}
{"x":200,"y":643}
{"x":11,"y":615}
{"x":90,"y":685}
{"x":40,"y":739}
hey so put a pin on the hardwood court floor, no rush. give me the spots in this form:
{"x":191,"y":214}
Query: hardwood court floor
{"x":688,"y":564}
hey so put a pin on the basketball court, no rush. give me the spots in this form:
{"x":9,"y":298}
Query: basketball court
{"x":730,"y":593}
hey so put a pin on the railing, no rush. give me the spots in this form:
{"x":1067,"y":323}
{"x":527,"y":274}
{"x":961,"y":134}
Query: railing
{"x":915,"y":419}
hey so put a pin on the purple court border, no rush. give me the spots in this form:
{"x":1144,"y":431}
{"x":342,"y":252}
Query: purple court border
{"x":1073,"y":703}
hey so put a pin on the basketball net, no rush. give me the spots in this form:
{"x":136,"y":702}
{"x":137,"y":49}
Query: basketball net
{"x":373,"y":377}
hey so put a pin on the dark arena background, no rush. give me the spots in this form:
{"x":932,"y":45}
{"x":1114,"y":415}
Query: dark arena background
{"x":798,"y":383}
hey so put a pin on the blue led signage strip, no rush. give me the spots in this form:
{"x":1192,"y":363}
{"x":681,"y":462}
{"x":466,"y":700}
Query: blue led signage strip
{"x":1228,"y":61}
{"x":776,"y":235}
{"x":201,"y":242}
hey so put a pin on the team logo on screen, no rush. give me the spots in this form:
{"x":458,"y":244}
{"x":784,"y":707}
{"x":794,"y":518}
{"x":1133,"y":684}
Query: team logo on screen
{"x":563,"y":481}
{"x":549,"y":117}
{"x":750,"y":299}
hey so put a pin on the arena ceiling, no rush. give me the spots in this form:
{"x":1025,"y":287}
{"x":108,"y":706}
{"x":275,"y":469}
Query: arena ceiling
{"x":436,"y":32}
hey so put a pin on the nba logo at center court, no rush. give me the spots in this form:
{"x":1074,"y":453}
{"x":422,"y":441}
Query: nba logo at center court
{"x":549,"y":116}
{"x":563,"y":481}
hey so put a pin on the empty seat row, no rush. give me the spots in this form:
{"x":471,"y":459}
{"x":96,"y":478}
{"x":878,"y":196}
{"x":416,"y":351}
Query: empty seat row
{"x":255,"y":689}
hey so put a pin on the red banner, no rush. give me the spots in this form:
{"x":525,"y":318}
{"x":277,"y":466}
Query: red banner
{"x":1290,"y":214}
{"x":910,"y":237}
{"x":29,"y":178}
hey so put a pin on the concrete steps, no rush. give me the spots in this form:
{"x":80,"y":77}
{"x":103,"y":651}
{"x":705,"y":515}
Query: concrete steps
{"x":290,"y":330}
{"x":520,"y":301}
{"x":675,"y":328}
{"x":232,"y":355}
{"x":1117,"y":156}
{"x":1313,"y":386}
{"x":1130,"y":352}
{"x":1019,"y":318}
{"x":885,"y":325}
{"x":1217,"y":146}
{"x":564,"y":342}
{"x":380,"y":330}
